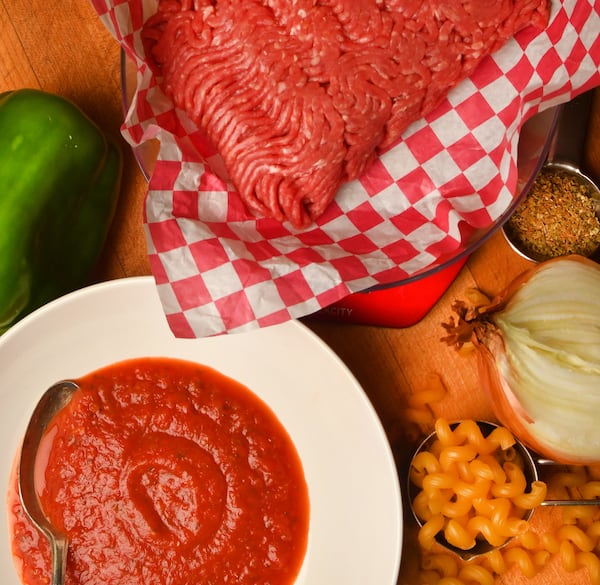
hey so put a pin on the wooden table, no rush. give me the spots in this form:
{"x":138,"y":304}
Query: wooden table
{"x":62,"y":47}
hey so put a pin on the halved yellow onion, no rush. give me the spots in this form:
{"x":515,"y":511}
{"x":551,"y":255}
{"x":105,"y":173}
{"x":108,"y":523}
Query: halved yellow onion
{"x":538,"y":347}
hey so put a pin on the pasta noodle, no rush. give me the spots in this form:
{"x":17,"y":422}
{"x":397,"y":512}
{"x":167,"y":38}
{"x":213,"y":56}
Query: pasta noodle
{"x":515,"y":483}
{"x":477,"y":490}
{"x":438,"y":481}
{"x":429,"y":530}
{"x":593,"y":529}
{"x":566,"y":552}
{"x":531,"y":500}
{"x":422,"y":506}
{"x":433,"y":392}
{"x":445,"y":435}
{"x":578,"y":537}
{"x":541,"y":558}
{"x":419,"y":410}
{"x":550,"y":542}
{"x":529,"y":540}
{"x":494,"y":561}
{"x":522,"y":558}
{"x":419,"y":416}
{"x":487,"y":467}
{"x":486,"y":527}
{"x":564,"y":482}
{"x":458,"y":508}
{"x":457,"y":535}
{"x":456,"y":453}
{"x":592,"y":563}
{"x":424,"y":463}
{"x":444,"y":564}
{"x":477,"y":574}
{"x":591,"y":490}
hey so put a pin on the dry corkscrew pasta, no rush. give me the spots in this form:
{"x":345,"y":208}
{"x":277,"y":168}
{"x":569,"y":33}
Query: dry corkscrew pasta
{"x":472,"y":487}
{"x":418,"y":414}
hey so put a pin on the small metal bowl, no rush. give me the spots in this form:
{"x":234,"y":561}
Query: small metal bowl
{"x":482,"y":546}
{"x":531,"y":469}
{"x":594,"y":193}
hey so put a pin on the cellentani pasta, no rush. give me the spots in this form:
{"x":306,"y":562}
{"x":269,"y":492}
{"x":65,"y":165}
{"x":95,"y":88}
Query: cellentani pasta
{"x":473,"y":487}
{"x":418,"y":413}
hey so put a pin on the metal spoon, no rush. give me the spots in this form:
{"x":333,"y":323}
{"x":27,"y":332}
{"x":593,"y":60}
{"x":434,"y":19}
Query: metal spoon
{"x":51,"y":402}
{"x":531,"y":465}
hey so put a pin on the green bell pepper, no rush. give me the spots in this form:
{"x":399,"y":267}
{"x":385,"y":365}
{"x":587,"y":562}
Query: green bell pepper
{"x":60,"y":178}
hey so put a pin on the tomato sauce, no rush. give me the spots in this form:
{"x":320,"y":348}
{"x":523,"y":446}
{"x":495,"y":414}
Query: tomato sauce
{"x":166,"y":472}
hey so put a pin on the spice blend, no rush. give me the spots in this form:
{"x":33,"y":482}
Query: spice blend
{"x":559,"y":216}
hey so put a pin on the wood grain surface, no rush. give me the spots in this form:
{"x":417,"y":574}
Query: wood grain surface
{"x":61,"y":46}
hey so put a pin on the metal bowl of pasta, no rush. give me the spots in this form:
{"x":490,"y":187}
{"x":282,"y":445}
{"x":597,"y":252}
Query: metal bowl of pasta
{"x":472,"y":487}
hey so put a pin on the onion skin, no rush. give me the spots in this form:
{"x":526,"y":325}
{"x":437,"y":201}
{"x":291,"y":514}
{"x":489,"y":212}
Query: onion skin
{"x":488,"y":340}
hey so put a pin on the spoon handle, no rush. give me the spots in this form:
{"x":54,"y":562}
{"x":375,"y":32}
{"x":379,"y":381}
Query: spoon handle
{"x":548,"y":463}
{"x":59,"y":547}
{"x":570,"y":503}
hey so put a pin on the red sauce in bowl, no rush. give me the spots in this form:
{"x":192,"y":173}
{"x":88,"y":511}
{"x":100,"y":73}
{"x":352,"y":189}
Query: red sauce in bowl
{"x":162,"y":471}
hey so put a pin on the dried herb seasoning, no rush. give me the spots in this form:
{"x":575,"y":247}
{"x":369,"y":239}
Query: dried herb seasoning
{"x":559,"y":216}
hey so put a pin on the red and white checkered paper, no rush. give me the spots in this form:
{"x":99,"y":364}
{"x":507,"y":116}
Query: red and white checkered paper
{"x":220,"y":270}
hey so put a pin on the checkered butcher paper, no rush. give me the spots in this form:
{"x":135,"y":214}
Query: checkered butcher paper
{"x":220,"y":270}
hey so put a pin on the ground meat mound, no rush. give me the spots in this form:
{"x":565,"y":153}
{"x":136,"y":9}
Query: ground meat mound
{"x":297,"y":96}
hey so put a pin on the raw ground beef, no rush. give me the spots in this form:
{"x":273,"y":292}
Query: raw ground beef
{"x":297,"y":96}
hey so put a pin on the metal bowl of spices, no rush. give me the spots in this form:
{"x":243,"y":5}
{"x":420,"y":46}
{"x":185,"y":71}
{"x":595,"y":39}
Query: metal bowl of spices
{"x":559,"y":216}
{"x":560,"y":213}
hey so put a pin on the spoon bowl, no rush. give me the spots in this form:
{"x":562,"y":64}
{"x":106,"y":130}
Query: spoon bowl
{"x":51,"y":402}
